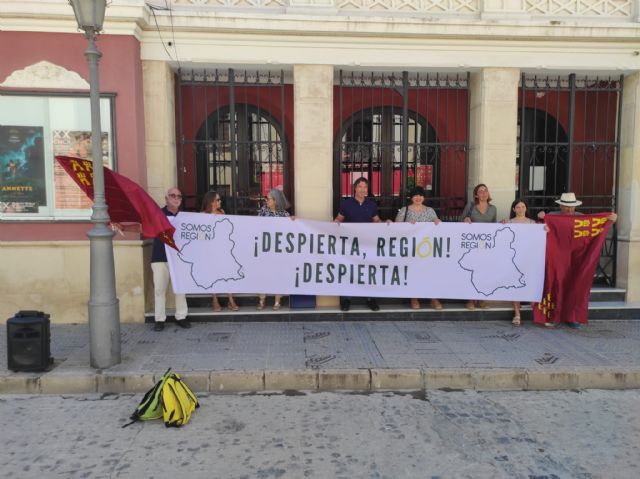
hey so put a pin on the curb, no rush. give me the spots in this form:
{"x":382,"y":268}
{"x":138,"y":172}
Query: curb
{"x":85,"y":380}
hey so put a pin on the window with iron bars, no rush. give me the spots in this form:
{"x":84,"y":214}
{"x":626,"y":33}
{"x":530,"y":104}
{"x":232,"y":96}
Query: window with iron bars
{"x":400,"y":131}
{"x":234,"y":129}
{"x":569,"y":140}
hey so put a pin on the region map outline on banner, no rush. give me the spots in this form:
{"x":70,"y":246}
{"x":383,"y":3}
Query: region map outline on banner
{"x":244,"y":254}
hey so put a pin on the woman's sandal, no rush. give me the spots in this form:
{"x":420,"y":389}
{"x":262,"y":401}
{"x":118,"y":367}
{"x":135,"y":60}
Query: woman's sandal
{"x":436,"y":304}
{"x":516,"y":321}
{"x":232,"y":306}
{"x":276,"y":306}
{"x":216,"y":307}
{"x":260,"y":306}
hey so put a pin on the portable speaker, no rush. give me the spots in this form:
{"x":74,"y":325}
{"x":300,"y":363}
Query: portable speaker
{"x":29,"y":341}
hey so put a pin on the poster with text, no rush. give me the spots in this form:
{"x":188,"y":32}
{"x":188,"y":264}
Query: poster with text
{"x":68,"y":196}
{"x":22,"y":173}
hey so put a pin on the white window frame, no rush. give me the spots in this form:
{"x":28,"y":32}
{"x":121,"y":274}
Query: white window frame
{"x":56,"y":114}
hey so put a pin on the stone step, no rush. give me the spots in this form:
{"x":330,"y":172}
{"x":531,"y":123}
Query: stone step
{"x":598,"y":293}
{"x":607,"y":294}
{"x":452,"y":311}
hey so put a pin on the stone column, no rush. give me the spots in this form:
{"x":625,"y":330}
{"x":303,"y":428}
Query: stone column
{"x":160,"y":131}
{"x":628,"y":261}
{"x":313,"y":140}
{"x":493,"y":141}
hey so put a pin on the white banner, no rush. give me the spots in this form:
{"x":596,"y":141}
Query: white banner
{"x":248,"y":254}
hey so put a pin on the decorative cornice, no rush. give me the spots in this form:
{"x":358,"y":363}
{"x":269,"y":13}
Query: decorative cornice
{"x":45,"y":75}
{"x":587,"y":20}
{"x":613,"y":9}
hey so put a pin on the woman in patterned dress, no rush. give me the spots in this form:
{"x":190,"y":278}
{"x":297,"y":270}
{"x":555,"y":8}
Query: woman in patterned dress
{"x":418,"y":212}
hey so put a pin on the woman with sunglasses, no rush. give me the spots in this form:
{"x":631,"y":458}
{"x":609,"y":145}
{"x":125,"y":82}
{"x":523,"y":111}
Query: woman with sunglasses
{"x":212,"y":203}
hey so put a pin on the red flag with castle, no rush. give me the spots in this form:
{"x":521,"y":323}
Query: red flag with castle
{"x":127,"y":201}
{"x":574,"y":243}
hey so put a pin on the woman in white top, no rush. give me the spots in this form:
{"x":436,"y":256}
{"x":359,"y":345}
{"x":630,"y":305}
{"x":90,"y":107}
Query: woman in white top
{"x":518,"y":214}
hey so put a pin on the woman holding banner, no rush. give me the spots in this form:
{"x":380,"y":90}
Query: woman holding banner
{"x":518,"y":215}
{"x":480,"y":211}
{"x":418,"y":212}
{"x":212,"y":204}
{"x":276,"y":206}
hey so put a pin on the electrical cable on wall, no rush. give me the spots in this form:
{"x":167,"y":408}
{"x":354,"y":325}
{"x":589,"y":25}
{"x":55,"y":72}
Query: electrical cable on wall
{"x":173,"y":32}
{"x":153,"y":9}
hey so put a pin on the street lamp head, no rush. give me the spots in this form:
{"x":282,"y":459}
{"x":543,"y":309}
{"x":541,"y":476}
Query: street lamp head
{"x":89,"y":14}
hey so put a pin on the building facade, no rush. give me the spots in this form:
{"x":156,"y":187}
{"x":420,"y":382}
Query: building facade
{"x":531,"y":97}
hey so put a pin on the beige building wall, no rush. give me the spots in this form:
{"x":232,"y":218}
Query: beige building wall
{"x":159,"y":122}
{"x":313,"y":146}
{"x":53,"y":277}
{"x":313,"y":140}
{"x":628,"y":261}
{"x":493,"y":138}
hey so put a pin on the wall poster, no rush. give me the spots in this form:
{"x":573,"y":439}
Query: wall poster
{"x":68,"y":196}
{"x":22,"y":169}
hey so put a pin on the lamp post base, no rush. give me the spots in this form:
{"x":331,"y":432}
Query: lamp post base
{"x":104,"y":334}
{"x":104,"y":306}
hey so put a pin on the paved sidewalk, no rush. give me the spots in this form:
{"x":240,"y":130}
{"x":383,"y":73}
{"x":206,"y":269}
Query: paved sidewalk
{"x":405,"y":355}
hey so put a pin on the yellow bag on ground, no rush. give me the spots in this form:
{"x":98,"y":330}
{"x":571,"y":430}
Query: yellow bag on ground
{"x":178,"y":402}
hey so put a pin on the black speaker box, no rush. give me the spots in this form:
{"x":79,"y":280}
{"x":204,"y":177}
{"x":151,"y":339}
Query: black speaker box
{"x":29,"y":341}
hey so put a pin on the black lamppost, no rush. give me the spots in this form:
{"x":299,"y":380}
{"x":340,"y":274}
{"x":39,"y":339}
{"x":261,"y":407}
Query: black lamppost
{"x":104,"y":308}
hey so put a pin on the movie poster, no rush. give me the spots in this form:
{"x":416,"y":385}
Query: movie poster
{"x":68,"y":196}
{"x":22,"y":172}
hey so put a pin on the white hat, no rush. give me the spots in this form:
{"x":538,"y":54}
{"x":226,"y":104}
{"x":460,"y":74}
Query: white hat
{"x":568,"y":199}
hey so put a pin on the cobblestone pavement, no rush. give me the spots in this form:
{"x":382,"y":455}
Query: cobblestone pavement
{"x":569,"y":434}
{"x":337,"y":345}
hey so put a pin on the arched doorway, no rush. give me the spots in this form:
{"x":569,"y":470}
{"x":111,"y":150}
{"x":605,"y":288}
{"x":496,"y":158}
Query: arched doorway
{"x":242,"y":159}
{"x":543,"y":158}
{"x":371,"y":146}
{"x":401,"y":130}
{"x":569,"y":140}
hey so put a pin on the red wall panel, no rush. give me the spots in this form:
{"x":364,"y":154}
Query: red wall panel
{"x":120,"y":74}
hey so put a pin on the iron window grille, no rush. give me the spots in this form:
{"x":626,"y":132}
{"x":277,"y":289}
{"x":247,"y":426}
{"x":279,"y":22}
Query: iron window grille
{"x":400,"y":131}
{"x":569,"y":140}
{"x":233,"y":136}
